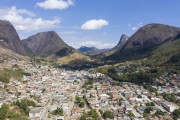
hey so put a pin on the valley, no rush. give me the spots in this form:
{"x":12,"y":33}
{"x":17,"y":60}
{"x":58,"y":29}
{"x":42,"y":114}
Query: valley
{"x":44,"y":78}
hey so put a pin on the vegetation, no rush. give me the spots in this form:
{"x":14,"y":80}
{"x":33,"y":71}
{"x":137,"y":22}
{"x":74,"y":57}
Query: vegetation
{"x":150,"y":104}
{"x":108,"y":114}
{"x":80,"y":102}
{"x":148,"y":110}
{"x":24,"y":105}
{"x":13,"y":114}
{"x":91,"y":114}
{"x":15,"y":72}
{"x":150,"y":88}
{"x":130,"y":114}
{"x":163,"y":58}
{"x":170,"y":98}
{"x":71,"y":57}
{"x":129,"y":76}
{"x":4,"y":78}
{"x":167,"y":56}
{"x":176,"y":114}
{"x":58,"y":111}
{"x":159,"y":112}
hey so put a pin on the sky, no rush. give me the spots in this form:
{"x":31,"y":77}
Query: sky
{"x":98,"y":23}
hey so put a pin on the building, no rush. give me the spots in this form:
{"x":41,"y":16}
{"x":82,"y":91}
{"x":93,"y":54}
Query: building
{"x":36,"y":113}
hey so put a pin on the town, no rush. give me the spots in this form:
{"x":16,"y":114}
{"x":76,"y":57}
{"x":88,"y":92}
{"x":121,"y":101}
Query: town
{"x":60,"y":94}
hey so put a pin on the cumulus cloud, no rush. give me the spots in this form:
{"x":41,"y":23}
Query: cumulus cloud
{"x":25,"y":20}
{"x":94,"y":24}
{"x":55,"y":4}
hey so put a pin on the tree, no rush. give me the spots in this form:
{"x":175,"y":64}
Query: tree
{"x":148,"y":110}
{"x":83,"y":117}
{"x":24,"y":105}
{"x":81,"y":104}
{"x":176,"y":113}
{"x":131,"y":114}
{"x":78,"y":99}
{"x":108,"y":114}
{"x":150,"y":104}
{"x":159,"y":112}
{"x":58,"y":111}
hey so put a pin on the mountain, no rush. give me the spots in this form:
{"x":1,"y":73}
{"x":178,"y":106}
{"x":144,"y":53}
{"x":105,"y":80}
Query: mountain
{"x":124,"y":38}
{"x":47,"y":43}
{"x":141,"y":43}
{"x":85,"y":49}
{"x":9,"y":38}
{"x":108,"y":52}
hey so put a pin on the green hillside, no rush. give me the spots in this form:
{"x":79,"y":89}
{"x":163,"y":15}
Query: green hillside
{"x":163,"y":59}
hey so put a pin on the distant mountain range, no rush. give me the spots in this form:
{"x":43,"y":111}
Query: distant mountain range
{"x":84,"y":49}
{"x":91,"y":50}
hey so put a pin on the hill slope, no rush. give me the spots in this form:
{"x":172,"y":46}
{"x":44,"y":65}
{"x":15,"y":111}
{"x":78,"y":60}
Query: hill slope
{"x":6,"y":54}
{"x":9,"y":38}
{"x":163,"y":59}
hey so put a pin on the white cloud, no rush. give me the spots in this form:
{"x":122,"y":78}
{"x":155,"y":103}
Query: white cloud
{"x":94,"y":24}
{"x":97,"y":44}
{"x":136,"y":27}
{"x":25,"y":20}
{"x":55,"y":4}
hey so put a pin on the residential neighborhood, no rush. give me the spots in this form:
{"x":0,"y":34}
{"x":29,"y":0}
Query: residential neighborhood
{"x":61,"y":94}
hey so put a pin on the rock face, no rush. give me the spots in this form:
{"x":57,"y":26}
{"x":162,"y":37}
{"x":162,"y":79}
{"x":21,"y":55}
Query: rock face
{"x":124,"y":38}
{"x":47,"y":43}
{"x":141,"y":43}
{"x":9,"y":38}
{"x":151,"y":35}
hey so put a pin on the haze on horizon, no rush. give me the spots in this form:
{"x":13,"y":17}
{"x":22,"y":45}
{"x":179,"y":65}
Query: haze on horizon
{"x":88,"y":22}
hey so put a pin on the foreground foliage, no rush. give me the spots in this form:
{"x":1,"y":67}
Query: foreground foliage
{"x":8,"y":112}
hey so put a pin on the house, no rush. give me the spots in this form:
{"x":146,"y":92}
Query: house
{"x":36,"y":113}
{"x":129,"y":107}
{"x":60,"y":118}
{"x":52,"y":108}
{"x":78,"y":111}
{"x":168,"y":107}
{"x":115,"y":96}
{"x":104,"y":96}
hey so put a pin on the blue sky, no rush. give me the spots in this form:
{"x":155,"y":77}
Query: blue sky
{"x":98,"y":23}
